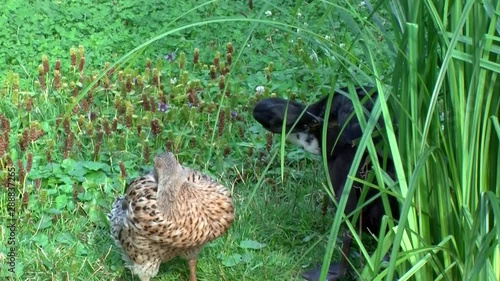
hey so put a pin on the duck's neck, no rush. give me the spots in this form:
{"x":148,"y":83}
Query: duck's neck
{"x":168,"y":191}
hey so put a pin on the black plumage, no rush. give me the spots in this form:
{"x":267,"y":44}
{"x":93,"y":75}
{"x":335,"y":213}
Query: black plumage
{"x":304,"y":123}
{"x":270,"y":113}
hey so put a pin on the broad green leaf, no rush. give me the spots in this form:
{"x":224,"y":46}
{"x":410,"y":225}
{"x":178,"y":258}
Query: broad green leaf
{"x":62,"y":201}
{"x":94,"y":166}
{"x":251,"y":244}
{"x":40,"y":239}
{"x":97,"y":177}
{"x":44,"y":222}
{"x":232,"y":260}
{"x":65,"y":238}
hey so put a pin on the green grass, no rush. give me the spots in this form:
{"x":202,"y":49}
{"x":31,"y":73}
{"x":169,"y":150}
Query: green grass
{"x":61,"y":231}
{"x":448,"y":186}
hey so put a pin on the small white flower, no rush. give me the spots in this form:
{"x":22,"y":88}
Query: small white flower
{"x":259,"y":89}
{"x":328,"y":37}
{"x":299,"y":14}
{"x":306,"y":24}
{"x":362,"y":4}
{"x":173,"y":80}
{"x":268,"y":13}
{"x":342,"y":45}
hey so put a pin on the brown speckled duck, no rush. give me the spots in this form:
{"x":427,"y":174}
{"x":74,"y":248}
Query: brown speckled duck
{"x":172,"y":211}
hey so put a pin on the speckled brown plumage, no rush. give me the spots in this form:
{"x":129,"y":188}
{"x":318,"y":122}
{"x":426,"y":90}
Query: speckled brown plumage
{"x":170,"y":212}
